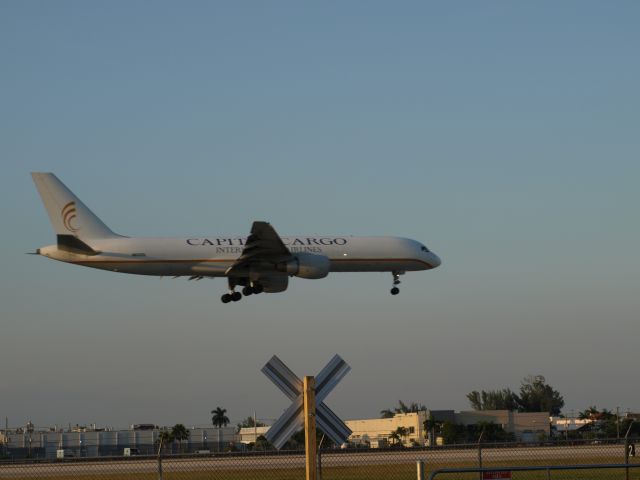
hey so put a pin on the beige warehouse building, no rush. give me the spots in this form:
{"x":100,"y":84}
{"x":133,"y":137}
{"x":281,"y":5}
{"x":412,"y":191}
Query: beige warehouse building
{"x":376,"y":431}
{"x":525,"y":427}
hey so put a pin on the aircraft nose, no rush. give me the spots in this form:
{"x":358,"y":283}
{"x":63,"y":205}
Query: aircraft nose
{"x":434,"y":260}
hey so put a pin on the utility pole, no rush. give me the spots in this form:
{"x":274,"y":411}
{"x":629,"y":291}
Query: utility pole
{"x":480,"y":451}
{"x":255,"y":430}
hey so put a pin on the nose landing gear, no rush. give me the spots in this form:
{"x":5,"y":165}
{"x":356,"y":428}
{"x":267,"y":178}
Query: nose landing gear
{"x":396,"y":281}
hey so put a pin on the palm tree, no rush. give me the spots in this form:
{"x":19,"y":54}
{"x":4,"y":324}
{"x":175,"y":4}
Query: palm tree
{"x":387,"y":413}
{"x":180,"y":433}
{"x":219,"y":420}
{"x":402,"y":407}
{"x":165,"y":438}
{"x":590,"y":413}
{"x":413,"y":407}
{"x":394,"y":437}
{"x":402,"y":432}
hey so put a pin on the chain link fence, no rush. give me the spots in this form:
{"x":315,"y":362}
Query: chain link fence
{"x":350,"y":464}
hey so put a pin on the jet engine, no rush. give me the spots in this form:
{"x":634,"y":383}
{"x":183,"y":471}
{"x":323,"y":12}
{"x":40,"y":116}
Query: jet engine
{"x":306,"y":265}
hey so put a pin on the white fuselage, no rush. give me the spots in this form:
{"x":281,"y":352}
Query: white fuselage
{"x":260,"y":262}
{"x":211,"y":256}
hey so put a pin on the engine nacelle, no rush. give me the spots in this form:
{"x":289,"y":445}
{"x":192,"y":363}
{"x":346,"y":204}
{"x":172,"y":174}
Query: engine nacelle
{"x":306,"y":265}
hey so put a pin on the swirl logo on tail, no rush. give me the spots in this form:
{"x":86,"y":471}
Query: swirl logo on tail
{"x":68,"y":214}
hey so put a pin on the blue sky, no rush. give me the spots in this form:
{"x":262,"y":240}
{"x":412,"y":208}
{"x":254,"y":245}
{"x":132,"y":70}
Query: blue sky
{"x":504,"y":135}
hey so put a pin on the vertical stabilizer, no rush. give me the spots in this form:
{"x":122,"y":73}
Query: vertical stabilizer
{"x":68,"y":215}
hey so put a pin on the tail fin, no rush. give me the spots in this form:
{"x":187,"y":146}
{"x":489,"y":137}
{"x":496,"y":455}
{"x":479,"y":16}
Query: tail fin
{"x":68,"y":215}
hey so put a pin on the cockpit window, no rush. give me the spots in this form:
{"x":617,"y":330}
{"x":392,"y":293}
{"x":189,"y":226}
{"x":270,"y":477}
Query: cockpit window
{"x":424,"y":249}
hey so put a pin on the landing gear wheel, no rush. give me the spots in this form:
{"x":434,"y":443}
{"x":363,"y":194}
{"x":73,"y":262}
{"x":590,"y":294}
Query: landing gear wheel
{"x":257,"y":288}
{"x":396,"y":281}
{"x":246,"y":291}
{"x":236,"y":296}
{"x":226,"y":298}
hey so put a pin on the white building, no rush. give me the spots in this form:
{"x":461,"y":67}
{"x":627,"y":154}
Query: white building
{"x":566,"y":425}
{"x":376,"y":432}
{"x":89,"y":443}
{"x":250,"y":434}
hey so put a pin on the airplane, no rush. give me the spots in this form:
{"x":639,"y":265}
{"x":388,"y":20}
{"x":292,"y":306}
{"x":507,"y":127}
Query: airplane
{"x":263,"y":261}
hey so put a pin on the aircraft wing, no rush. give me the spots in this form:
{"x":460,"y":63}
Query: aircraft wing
{"x":263,"y":245}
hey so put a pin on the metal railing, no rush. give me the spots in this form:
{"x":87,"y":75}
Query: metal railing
{"x":336,"y":464}
{"x":510,"y":469}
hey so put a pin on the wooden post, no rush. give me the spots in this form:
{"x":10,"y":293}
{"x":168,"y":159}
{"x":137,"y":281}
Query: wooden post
{"x":310,"y":427}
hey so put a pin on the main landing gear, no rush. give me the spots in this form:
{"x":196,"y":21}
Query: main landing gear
{"x":233,"y":296}
{"x":254,"y":289}
{"x":396,"y":281}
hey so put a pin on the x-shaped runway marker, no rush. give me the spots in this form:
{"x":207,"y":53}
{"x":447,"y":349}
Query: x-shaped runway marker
{"x":292,"y":419}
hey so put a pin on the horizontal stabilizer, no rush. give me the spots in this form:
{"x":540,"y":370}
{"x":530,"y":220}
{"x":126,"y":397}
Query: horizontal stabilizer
{"x":73,"y":244}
